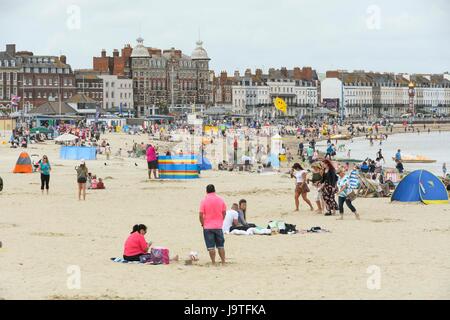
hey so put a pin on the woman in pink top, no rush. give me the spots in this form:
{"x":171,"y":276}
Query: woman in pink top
{"x":136,"y":246}
{"x":152,"y":161}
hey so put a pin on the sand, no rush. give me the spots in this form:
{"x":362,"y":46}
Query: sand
{"x":44,"y":235}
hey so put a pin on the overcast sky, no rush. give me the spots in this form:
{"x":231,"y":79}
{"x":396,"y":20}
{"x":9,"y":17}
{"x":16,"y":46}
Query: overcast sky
{"x":378,"y":35}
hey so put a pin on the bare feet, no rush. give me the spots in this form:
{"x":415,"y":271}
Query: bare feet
{"x":357,"y":216}
{"x":296,"y":210}
{"x":341,"y":217}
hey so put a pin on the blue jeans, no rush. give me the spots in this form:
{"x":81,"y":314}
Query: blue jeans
{"x":214,"y":238}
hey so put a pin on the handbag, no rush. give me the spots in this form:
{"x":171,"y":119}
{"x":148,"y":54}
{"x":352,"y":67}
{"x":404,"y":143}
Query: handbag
{"x":352,"y":195}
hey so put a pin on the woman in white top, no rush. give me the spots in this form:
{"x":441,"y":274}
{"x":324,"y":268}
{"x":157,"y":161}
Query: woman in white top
{"x":301,"y":185}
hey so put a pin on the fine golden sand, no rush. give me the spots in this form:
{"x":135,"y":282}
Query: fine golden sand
{"x":43,"y":236}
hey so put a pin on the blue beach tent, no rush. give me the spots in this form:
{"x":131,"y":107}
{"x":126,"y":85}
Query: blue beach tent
{"x":204,"y":163}
{"x":77,"y":153}
{"x":421,"y":185}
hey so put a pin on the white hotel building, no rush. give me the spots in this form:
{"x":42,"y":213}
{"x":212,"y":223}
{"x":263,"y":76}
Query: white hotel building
{"x":375,"y":94}
{"x":256,"y":97}
{"x":117,"y":93}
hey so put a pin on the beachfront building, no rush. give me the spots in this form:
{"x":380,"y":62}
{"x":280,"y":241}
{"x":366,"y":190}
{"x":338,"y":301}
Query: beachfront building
{"x":163,"y":80}
{"x":89,"y":83}
{"x":222,"y":89}
{"x":117,"y":94}
{"x":250,"y":97}
{"x":374,"y":95}
{"x":254,"y":93}
{"x":9,"y":71}
{"x":35,"y":78}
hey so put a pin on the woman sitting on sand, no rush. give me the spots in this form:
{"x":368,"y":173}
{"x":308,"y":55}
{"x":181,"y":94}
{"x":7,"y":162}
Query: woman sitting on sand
{"x":136,"y":246}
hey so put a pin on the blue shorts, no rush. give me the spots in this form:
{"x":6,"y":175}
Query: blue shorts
{"x":214,"y":238}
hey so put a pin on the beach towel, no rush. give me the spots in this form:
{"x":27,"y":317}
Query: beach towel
{"x":122,"y":260}
{"x":252,"y":231}
{"x":353,"y":180}
{"x":317,"y":230}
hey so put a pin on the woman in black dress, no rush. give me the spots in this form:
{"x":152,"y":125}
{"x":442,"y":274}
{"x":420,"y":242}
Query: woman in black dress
{"x":328,"y":188}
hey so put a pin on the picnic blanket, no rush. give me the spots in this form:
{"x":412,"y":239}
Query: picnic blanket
{"x":252,"y":231}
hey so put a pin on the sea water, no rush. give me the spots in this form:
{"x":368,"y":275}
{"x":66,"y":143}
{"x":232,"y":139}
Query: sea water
{"x":433,"y":145}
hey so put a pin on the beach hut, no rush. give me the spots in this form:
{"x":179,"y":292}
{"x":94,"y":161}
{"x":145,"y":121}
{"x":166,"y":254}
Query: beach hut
{"x":23,"y":164}
{"x":421,"y":185}
{"x":178,"y":167}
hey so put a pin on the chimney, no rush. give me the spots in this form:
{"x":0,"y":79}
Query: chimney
{"x":115,"y":53}
{"x":248,"y":72}
{"x":271,"y":72}
{"x":297,"y":73}
{"x":62,"y":59}
{"x":284,"y":72}
{"x":236,"y":74}
{"x":103,"y":53}
{"x":11,"y":49}
{"x":307,"y":73}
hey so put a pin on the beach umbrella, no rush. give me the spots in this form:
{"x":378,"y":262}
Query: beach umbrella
{"x":39,"y":130}
{"x":66,"y":137}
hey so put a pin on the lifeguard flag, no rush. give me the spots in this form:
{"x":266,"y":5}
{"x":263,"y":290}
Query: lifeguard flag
{"x":280,"y":104}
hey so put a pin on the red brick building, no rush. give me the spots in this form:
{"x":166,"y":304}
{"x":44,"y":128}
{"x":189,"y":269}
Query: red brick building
{"x":36,"y":78}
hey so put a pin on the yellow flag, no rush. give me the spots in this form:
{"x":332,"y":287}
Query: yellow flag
{"x":280,"y":104}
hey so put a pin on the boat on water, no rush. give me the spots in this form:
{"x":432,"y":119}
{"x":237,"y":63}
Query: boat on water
{"x":340,"y":137}
{"x":416,"y":159}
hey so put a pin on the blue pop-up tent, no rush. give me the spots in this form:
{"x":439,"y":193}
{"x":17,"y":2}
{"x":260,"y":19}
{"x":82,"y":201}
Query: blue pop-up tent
{"x":204,"y":163}
{"x":78,"y":153}
{"x":421,"y":185}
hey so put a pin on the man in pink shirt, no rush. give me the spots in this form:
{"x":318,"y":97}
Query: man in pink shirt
{"x":152,"y":161}
{"x":211,"y":214}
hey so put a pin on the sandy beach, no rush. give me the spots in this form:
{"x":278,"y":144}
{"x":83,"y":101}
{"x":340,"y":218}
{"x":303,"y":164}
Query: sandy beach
{"x":43,"y":236}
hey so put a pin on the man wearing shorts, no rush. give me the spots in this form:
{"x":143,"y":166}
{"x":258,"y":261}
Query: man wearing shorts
{"x":211,"y":214}
{"x":152,"y":161}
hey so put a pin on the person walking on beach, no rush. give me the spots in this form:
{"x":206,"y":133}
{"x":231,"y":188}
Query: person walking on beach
{"x":380,"y":155}
{"x":343,"y":194}
{"x":444,"y":170}
{"x":328,"y":187}
{"x":152,"y":161}
{"x":82,"y":173}
{"x":211,"y":215}
{"x":316,"y":180}
{"x":398,"y":155}
{"x":301,"y":185}
{"x":44,"y":168}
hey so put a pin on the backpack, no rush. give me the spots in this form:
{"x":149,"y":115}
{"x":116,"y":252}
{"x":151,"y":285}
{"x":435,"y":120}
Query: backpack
{"x":289,"y":228}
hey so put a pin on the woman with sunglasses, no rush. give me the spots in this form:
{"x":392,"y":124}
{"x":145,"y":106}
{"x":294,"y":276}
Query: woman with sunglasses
{"x":45,"y":168}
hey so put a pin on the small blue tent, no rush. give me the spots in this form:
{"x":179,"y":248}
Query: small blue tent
{"x":204,"y":163}
{"x":421,"y":185}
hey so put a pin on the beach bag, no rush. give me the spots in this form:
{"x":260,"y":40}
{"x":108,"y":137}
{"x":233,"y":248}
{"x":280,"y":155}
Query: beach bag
{"x":352,"y":195}
{"x":157,"y":255}
{"x":289,"y":228}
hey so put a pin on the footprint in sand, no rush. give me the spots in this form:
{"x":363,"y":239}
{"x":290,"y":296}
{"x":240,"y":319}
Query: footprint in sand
{"x":49,"y":234}
{"x":386,"y":220}
{"x":8,"y":225}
